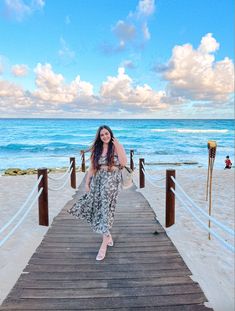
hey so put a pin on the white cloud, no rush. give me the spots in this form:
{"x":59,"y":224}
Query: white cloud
{"x":208,"y":44}
{"x":51,"y":87}
{"x":144,"y":10}
{"x":145,"y":7}
{"x":145,"y":31}
{"x":133,"y":30}
{"x":14,"y":100}
{"x":18,"y":9}
{"x":120,"y":88}
{"x":8,"y":89}
{"x":38,"y":4}
{"x":196,"y":83}
{"x":124,"y":31}
{"x":128,"y":64}
{"x":20,"y":70}
{"x":195,"y":75}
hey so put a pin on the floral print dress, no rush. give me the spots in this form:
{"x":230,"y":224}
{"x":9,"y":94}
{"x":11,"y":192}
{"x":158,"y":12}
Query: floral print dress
{"x":97,"y":206}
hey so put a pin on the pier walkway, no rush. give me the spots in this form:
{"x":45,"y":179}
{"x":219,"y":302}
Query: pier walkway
{"x":143,"y":271}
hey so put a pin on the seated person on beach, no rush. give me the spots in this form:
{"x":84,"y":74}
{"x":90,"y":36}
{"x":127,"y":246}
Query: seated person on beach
{"x":228,"y":163}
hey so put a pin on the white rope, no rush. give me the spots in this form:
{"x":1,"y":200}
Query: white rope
{"x":149,"y":180}
{"x":21,"y":219}
{"x":22,"y":207}
{"x":154,"y":173}
{"x":152,"y":177}
{"x":226,"y":244}
{"x":61,"y":177}
{"x":57,"y":189}
{"x":218,"y":223}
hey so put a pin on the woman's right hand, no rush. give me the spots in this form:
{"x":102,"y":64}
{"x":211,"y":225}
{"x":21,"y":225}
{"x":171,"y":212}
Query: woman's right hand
{"x":87,"y":188}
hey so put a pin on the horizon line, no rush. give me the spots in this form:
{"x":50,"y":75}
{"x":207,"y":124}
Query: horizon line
{"x":56,"y":118}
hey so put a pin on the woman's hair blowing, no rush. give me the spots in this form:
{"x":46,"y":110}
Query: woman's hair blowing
{"x":97,"y":148}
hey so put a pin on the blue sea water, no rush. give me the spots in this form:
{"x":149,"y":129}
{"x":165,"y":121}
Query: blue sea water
{"x":33,"y":143}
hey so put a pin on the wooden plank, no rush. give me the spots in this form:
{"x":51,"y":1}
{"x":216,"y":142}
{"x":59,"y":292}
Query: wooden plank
{"x":128,"y":239}
{"x":103,"y":268}
{"x":69,"y":261}
{"x":110,"y":256}
{"x":143,"y":271}
{"x":100,"y":275}
{"x":79,"y":249}
{"x":79,"y":304}
{"x":114,"y":283}
{"x":190,"y":307}
{"x":111,"y":292}
{"x":118,"y":242}
{"x":116,"y":260}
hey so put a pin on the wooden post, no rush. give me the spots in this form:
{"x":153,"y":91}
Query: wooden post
{"x":43,"y":198}
{"x":83,"y":161}
{"x":73,"y":174}
{"x":131,"y":160}
{"x":170,"y":199}
{"x":142,"y":181}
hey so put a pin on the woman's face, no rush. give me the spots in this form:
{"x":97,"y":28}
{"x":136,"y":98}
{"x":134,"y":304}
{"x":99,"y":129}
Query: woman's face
{"x":105,"y":136}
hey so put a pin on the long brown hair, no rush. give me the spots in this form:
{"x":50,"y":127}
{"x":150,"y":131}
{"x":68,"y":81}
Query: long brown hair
{"x":97,"y":148}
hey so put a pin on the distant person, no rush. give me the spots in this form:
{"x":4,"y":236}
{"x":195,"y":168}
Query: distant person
{"x":228,"y":163}
{"x":97,"y":205}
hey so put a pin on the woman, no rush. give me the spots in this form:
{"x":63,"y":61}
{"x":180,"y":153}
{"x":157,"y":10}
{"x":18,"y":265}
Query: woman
{"x":97,"y":206}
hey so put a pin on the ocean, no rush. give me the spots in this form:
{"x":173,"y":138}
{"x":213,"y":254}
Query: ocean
{"x":34,"y":143}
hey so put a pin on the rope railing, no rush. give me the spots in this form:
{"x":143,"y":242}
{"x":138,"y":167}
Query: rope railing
{"x":42,"y":196}
{"x":83,"y":163}
{"x":22,"y":207}
{"x":180,"y":193}
{"x":148,"y":178}
{"x":171,"y":194}
{"x":63,"y":185}
{"x":225,"y":243}
{"x":61,"y":177}
{"x":215,"y":221}
{"x":22,"y":218}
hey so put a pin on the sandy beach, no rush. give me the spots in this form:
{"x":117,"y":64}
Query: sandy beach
{"x":16,"y":252}
{"x":211,"y":264}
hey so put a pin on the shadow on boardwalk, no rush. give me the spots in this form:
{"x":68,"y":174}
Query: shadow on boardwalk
{"x":143,"y":271}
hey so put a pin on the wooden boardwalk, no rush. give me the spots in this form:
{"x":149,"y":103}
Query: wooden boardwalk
{"x":143,"y":271}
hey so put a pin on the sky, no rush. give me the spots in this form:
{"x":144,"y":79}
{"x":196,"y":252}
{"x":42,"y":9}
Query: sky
{"x":117,"y":59}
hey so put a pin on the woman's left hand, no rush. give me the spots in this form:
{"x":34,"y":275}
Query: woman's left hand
{"x":115,"y":142}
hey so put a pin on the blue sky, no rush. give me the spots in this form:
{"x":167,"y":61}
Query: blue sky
{"x":125,"y":59}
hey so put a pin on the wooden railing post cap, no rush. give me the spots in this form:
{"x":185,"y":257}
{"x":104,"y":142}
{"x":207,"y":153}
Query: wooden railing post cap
{"x":42,"y":169}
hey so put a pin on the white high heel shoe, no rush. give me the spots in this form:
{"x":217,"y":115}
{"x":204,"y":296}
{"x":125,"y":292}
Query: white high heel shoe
{"x":102,"y":252}
{"x":110,"y":243}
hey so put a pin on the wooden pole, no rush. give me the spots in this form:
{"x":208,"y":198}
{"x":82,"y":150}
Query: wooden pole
{"x":142,"y":180}
{"x":131,"y":160}
{"x":73,"y":174}
{"x":212,"y":152}
{"x":170,"y":199}
{"x":210,"y":194}
{"x":83,"y":161}
{"x":43,"y":198}
{"x":208,"y":176}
